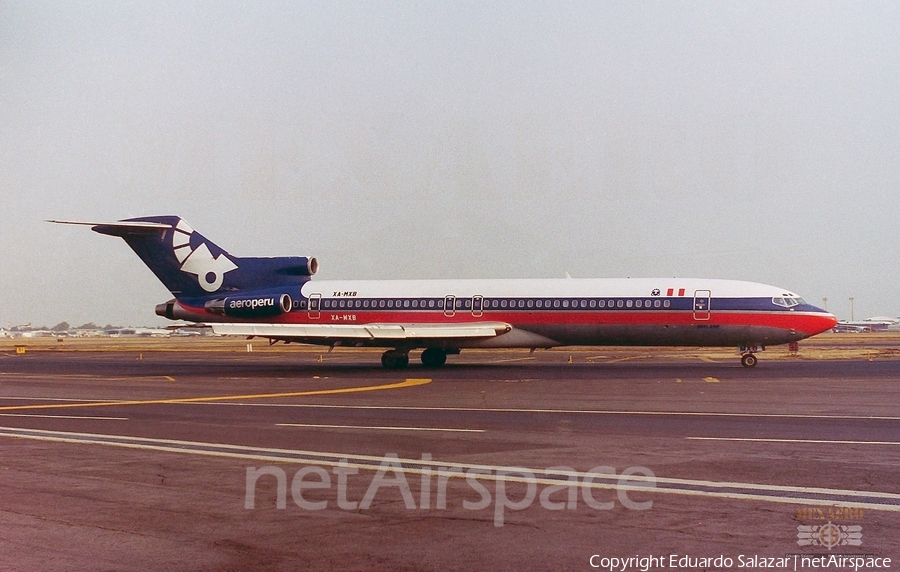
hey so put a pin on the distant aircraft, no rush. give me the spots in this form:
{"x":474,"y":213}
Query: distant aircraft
{"x":276,"y":298}
{"x":876,"y":324}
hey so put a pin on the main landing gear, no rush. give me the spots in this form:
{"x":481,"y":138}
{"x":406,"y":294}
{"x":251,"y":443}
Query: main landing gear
{"x":748,"y":357}
{"x":395,"y":359}
{"x":434,"y":357}
{"x":431,"y":357}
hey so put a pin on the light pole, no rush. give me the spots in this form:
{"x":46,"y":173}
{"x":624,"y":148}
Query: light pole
{"x":852,"y":315}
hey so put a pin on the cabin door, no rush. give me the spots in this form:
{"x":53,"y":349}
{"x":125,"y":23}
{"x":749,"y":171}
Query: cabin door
{"x":701,"y":304}
{"x":449,"y":306}
{"x":477,"y":306}
{"x":315,"y":303}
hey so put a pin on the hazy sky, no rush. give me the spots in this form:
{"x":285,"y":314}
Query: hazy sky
{"x":755,"y":141}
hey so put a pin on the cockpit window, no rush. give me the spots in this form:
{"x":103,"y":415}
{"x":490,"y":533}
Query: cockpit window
{"x":788,"y":301}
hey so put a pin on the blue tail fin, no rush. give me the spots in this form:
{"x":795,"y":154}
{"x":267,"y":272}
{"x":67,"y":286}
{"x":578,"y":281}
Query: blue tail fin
{"x":192,"y":267}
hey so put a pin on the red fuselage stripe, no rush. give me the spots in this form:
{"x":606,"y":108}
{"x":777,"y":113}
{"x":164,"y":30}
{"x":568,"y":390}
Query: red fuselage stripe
{"x":808,"y":323}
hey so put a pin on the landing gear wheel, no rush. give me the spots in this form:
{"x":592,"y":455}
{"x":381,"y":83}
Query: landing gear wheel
{"x":394,"y":359}
{"x":434,"y":357}
{"x":748,"y":360}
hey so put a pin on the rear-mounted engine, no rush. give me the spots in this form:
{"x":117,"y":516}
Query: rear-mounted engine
{"x":249,"y":306}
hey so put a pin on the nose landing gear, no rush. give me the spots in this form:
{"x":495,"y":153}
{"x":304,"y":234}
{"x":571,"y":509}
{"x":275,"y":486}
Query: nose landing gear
{"x":748,"y":357}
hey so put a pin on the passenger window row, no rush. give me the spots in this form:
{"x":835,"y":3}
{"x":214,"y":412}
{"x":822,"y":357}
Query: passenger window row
{"x":495,"y":303}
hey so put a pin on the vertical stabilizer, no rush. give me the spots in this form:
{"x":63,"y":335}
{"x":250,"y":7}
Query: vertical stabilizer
{"x":193,"y":267}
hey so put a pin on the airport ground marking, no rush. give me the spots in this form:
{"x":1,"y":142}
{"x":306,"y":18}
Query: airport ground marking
{"x":70,"y":399}
{"x":812,"y":441}
{"x":327,"y":458}
{"x":510,"y":360}
{"x":380,"y":428}
{"x":411,"y":382}
{"x":573,"y":411}
{"x":24,"y":375}
{"x":650,"y":485}
{"x":83,"y":376}
{"x":39,"y":416}
{"x":622,"y":359}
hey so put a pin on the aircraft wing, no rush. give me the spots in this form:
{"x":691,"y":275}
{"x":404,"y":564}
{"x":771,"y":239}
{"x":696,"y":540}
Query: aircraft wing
{"x":362,"y":333}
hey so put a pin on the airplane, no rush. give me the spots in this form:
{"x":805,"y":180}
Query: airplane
{"x":276,"y":298}
{"x":875,"y":324}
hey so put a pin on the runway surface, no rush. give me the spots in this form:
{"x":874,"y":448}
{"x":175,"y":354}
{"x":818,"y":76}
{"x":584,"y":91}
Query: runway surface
{"x":123,"y":460}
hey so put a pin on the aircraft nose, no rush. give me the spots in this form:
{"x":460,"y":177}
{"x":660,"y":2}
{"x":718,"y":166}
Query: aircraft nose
{"x":826,"y":320}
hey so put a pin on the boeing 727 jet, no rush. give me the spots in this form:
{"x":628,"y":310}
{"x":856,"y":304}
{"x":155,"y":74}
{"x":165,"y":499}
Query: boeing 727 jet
{"x":277,"y":298}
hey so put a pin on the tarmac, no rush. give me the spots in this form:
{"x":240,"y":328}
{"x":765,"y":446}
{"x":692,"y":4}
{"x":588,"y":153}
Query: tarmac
{"x":195,"y":454}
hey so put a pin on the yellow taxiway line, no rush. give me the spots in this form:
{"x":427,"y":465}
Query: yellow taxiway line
{"x":406,"y":383}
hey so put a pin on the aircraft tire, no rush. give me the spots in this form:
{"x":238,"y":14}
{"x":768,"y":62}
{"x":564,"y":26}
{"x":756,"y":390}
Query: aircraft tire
{"x":392,"y":359}
{"x":748,"y":360}
{"x":434,"y":357}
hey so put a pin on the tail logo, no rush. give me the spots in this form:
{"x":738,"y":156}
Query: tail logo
{"x":210,"y":270}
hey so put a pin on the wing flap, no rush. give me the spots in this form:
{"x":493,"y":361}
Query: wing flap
{"x":365,"y":332}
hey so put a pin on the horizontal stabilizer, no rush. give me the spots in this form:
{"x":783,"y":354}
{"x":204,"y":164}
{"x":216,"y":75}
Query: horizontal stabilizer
{"x":119,"y":228}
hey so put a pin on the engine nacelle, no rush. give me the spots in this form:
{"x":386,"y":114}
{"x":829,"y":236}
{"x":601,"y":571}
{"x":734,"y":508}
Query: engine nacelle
{"x":280,"y":266}
{"x":250,"y":306}
{"x":173,"y":310}
{"x":312,"y":266}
